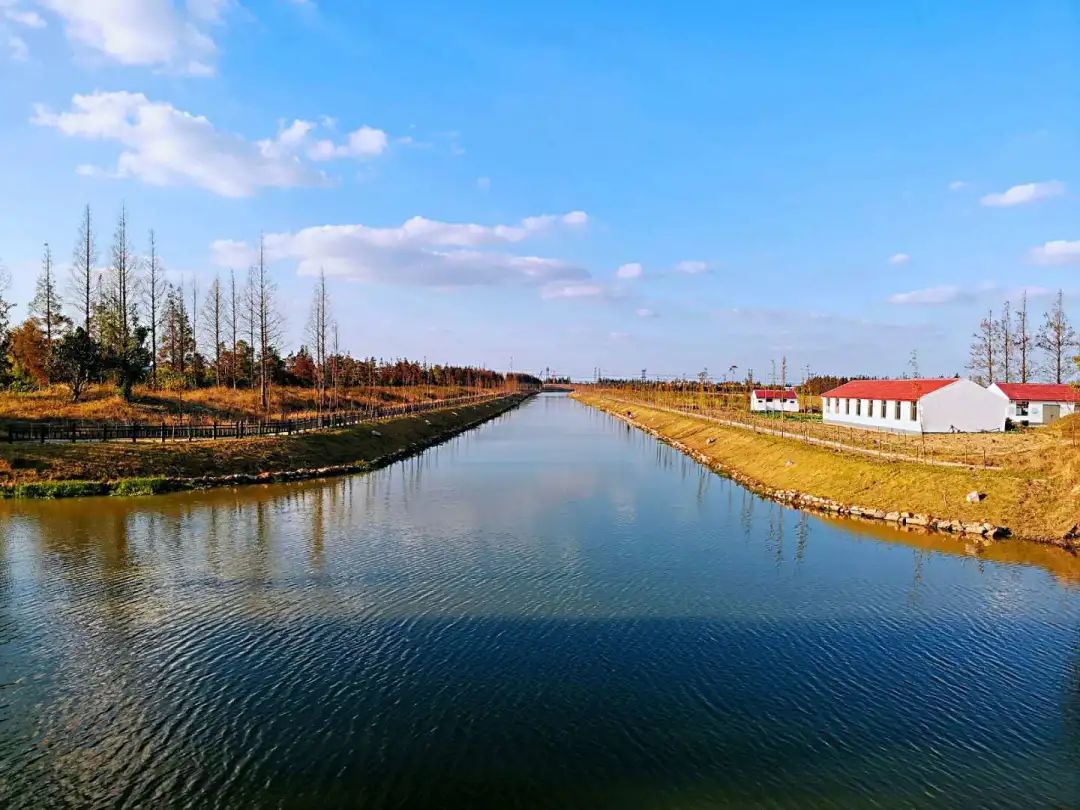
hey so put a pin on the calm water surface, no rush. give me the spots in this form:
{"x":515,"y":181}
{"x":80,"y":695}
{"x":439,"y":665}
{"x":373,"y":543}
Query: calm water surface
{"x":550,"y":611}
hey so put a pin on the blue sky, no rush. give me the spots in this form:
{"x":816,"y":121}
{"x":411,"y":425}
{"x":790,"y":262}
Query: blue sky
{"x":840,"y":183}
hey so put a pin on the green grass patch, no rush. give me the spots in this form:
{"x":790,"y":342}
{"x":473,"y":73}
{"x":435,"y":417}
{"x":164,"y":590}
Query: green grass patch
{"x":58,"y":489}
{"x":130,"y":487}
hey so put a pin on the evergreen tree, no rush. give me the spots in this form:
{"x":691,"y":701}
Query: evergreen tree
{"x":46,"y":306}
{"x":76,"y":359}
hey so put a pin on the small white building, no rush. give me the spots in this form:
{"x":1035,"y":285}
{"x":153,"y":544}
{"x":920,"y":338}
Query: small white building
{"x":1038,"y":403}
{"x":774,"y":400}
{"x":949,"y":405}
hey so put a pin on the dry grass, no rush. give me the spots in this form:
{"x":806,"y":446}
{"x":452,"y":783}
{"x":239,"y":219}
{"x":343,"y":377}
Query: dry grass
{"x":110,"y":461}
{"x":102,"y":403}
{"x":1036,"y":494}
{"x":1024,"y":448}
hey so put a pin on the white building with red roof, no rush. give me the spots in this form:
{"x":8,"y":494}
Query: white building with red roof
{"x":950,"y":405}
{"x":1038,"y":403}
{"x":769,"y":400}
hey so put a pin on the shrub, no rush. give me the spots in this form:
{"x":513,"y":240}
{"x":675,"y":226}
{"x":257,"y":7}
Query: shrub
{"x":60,"y":489}
{"x":129,"y":487}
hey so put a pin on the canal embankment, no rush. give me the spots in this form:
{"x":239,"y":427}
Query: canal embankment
{"x":979,"y":505}
{"x":57,"y":470}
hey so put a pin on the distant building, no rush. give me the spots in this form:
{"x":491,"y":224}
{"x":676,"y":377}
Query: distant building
{"x":915,"y":406}
{"x":1038,"y":403}
{"x":767,"y":400}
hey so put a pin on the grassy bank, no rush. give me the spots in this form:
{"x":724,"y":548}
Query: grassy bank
{"x":102,"y":403}
{"x":1034,"y":504}
{"x":120,"y":468}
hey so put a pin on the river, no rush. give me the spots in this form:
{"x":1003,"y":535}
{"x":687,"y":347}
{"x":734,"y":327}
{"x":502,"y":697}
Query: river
{"x":553,"y":610}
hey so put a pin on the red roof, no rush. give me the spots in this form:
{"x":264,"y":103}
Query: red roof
{"x":903,"y":390}
{"x":775,"y":393}
{"x":1039,"y":392}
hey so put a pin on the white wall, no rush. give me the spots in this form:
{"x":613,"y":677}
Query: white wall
{"x":1035,"y":408}
{"x":869,"y":415}
{"x":964,"y":406}
{"x":777,"y":405}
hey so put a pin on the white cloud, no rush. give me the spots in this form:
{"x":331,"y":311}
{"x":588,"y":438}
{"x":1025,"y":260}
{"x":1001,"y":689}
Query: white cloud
{"x":957,"y":294}
{"x":364,"y":142}
{"x":211,"y":11}
{"x":573,"y":290}
{"x":419,"y":252}
{"x":1058,"y":251}
{"x":165,"y":146}
{"x":899,"y":258}
{"x":692,"y":266}
{"x":645,"y":312}
{"x":944,"y":294}
{"x":483,"y":183}
{"x":958,"y":185}
{"x":17,"y":48}
{"x":29,"y":19}
{"x":1024,"y":194}
{"x":149,"y":33}
{"x":629,"y":270}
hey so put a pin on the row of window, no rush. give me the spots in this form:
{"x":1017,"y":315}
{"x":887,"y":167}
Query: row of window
{"x":881,"y":406}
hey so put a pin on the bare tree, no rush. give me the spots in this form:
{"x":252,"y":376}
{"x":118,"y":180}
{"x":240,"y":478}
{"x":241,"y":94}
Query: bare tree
{"x":213,"y":310}
{"x":120,"y":285}
{"x":121,"y":335}
{"x":318,"y":327}
{"x":1005,"y":337}
{"x":1057,"y":339}
{"x":983,"y":359}
{"x":1023,"y":341}
{"x":195,"y":365}
{"x":82,"y":270}
{"x":251,"y":322}
{"x":269,"y":325}
{"x":335,"y":376}
{"x":156,"y":289}
{"x":234,"y":318}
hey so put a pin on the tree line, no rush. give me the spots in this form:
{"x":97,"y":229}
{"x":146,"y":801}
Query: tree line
{"x":1009,"y":348}
{"x":128,"y":322}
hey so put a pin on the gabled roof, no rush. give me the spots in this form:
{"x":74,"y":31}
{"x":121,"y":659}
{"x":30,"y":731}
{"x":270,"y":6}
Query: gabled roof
{"x":1039,"y":392}
{"x":775,"y":393}
{"x":903,"y":390}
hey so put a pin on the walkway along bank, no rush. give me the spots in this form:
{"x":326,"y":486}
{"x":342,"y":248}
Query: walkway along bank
{"x":905,"y":494}
{"x":120,"y":468}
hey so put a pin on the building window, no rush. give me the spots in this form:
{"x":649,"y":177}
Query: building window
{"x":883,"y":409}
{"x":914,"y":411}
{"x":896,"y":409}
{"x":847,"y":407}
{"x":1022,"y":408}
{"x":858,"y":407}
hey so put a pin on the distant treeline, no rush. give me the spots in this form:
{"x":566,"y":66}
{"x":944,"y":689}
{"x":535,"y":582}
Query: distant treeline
{"x":814,"y":385}
{"x":130,"y":322}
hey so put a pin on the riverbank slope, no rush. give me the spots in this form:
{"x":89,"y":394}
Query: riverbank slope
{"x":1043,"y":509}
{"x":122,"y":468}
